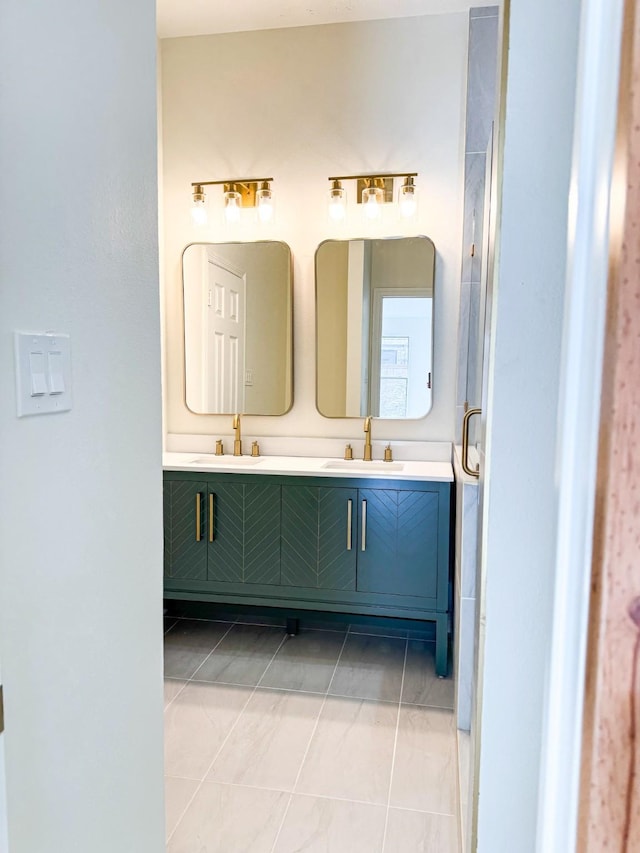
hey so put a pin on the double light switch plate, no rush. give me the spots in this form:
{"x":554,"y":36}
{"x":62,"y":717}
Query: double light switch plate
{"x":43,"y":373}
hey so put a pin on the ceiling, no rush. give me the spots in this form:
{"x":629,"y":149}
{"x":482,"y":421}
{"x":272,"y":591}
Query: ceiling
{"x":202,"y":17}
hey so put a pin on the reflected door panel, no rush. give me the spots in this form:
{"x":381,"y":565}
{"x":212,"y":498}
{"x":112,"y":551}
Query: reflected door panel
{"x":223,"y":368}
{"x":238,"y":328}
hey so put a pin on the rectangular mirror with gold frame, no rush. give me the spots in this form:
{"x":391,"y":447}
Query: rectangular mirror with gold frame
{"x":238,"y":328}
{"x":374,"y":327}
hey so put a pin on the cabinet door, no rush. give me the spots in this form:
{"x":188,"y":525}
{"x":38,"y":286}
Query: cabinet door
{"x":417,"y":544}
{"x":319,"y":537}
{"x":300,"y":536}
{"x":185,"y":552}
{"x":337,"y":532}
{"x":262,"y":515}
{"x":225,"y":532}
{"x":398,"y":548}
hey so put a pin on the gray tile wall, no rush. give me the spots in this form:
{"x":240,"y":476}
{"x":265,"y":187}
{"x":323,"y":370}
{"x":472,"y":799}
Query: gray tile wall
{"x":481,"y":95}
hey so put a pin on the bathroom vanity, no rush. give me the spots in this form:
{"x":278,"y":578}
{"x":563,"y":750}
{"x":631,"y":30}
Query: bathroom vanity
{"x":311,"y":534}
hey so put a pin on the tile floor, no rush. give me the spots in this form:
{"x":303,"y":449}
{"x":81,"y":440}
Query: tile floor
{"x":333,"y":740}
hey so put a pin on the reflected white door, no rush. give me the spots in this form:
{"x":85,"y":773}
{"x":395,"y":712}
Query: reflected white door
{"x":223,"y":370}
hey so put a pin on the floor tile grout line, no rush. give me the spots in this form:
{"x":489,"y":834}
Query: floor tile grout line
{"x":260,"y":686}
{"x":198,"y":668}
{"x":221,"y":747}
{"x":173,"y":698}
{"x":308,"y":692}
{"x":338,"y":799}
{"x":306,"y":752}
{"x":395,"y":747}
{"x":191,"y":678}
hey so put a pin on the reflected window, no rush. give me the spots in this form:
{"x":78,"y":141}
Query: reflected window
{"x":374,"y":315}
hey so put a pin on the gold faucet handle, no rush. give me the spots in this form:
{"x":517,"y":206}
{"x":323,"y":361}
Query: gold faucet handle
{"x":255,"y":448}
{"x":219,"y":448}
{"x":388,"y":454}
{"x":348,"y":452}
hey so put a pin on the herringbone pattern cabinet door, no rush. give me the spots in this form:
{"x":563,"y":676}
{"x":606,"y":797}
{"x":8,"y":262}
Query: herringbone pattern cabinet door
{"x":185,"y":558}
{"x":336,"y":562}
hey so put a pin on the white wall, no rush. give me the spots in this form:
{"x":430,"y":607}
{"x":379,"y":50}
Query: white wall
{"x":520,"y":491}
{"x":300,"y":105}
{"x":4,"y":842}
{"x":80,"y":493}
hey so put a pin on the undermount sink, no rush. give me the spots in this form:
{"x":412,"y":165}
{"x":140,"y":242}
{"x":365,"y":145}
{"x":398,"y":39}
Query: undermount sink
{"x":360,"y":465}
{"x":226,"y":460}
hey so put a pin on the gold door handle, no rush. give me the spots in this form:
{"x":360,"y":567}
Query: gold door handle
{"x":211,"y":516}
{"x":198,"y":519}
{"x":364,"y":526}
{"x":349,"y":524}
{"x":472,"y":472}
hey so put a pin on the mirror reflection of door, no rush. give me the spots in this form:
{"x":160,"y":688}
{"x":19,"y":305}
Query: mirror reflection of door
{"x":374,"y":324}
{"x":400,"y":385}
{"x":224,"y":353}
{"x":238,"y":344}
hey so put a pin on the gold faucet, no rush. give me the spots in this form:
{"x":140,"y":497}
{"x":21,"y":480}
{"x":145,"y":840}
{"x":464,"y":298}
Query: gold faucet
{"x":367,"y":439}
{"x":237,"y":443}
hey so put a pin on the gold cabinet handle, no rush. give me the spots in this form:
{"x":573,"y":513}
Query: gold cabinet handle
{"x":472,"y":472}
{"x":364,"y":525}
{"x":349,"y":524}
{"x":198,"y":519}
{"x":211,"y":516}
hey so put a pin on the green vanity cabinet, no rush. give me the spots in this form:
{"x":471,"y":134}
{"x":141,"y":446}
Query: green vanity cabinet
{"x":245,"y":546}
{"x":185,"y":553}
{"x":221,"y":531}
{"x":398,"y":542}
{"x":353,"y":545}
{"x":318,"y":537}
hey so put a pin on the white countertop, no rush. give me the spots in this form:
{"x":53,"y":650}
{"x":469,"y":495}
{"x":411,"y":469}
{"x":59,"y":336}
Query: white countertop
{"x":309,"y":466}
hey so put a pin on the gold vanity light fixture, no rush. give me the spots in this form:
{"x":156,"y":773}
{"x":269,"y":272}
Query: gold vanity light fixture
{"x":238,"y":193}
{"x":373,"y":191}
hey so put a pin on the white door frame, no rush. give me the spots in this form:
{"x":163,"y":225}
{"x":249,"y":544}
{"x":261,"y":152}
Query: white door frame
{"x":578,"y":417}
{"x":4,"y":836}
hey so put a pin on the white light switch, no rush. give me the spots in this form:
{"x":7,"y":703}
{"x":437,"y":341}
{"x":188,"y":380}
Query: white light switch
{"x":38,"y":379}
{"x":43,"y":373}
{"x":56,"y":373}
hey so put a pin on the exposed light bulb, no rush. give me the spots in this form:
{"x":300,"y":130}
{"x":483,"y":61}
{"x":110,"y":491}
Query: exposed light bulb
{"x":199,"y":212}
{"x":408,"y":199}
{"x":373,"y":200}
{"x":408,"y":207}
{"x":337,"y":202}
{"x":265,"y":203}
{"x":337,"y":210}
{"x":232,"y":206}
{"x":198,"y":209}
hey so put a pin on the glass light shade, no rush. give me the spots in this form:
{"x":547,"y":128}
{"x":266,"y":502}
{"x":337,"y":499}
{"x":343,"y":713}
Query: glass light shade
{"x":408,"y":200}
{"x":232,"y":206}
{"x":337,"y":204}
{"x":265,"y":204}
{"x":372,"y":200}
{"x":199,"y":212}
